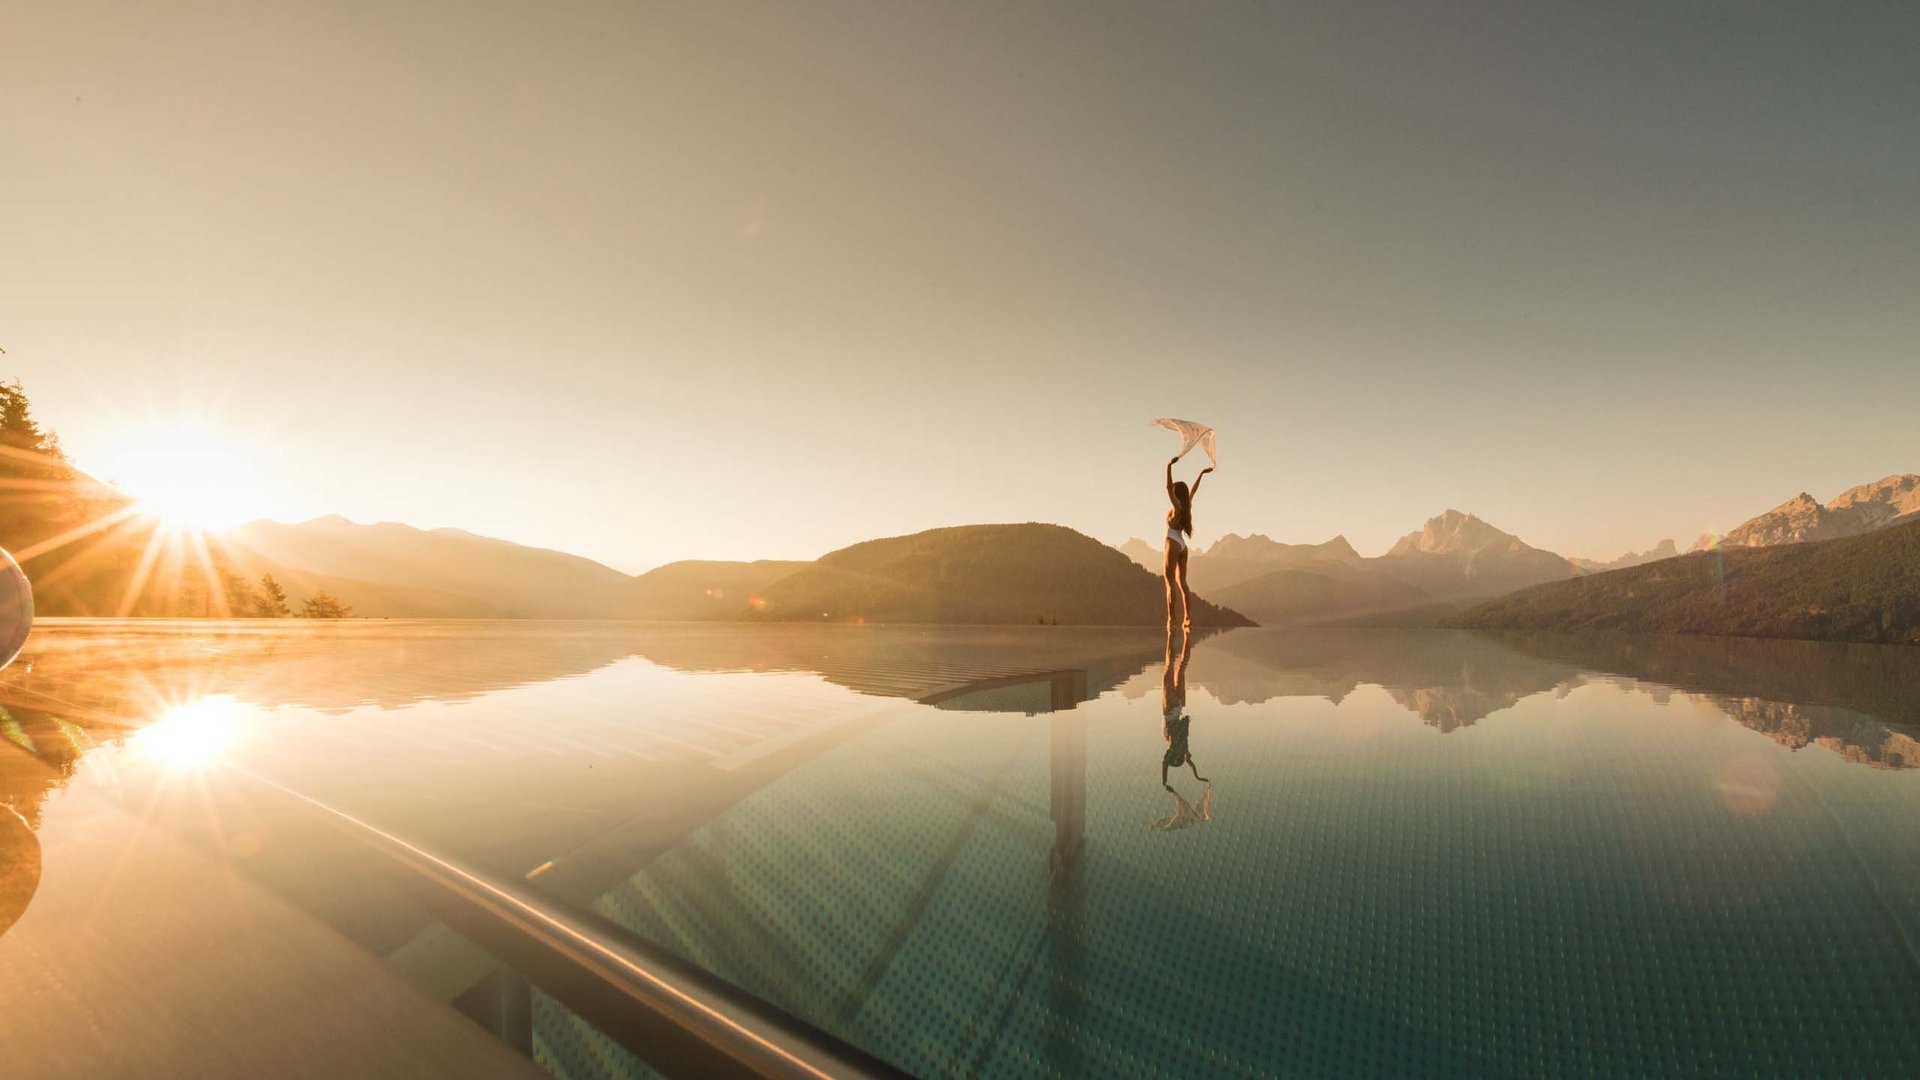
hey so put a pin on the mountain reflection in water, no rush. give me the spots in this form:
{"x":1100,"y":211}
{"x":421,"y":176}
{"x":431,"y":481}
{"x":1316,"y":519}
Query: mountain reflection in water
{"x":83,"y":683}
{"x":1860,"y":701}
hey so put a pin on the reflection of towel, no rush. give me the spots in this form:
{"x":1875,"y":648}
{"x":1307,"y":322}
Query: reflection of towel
{"x":1186,"y":813}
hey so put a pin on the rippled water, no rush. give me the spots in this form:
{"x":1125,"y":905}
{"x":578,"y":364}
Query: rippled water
{"x":1413,"y":852}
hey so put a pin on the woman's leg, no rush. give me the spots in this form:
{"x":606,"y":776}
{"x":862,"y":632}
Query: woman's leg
{"x":1167,"y":570}
{"x":1186,"y":594}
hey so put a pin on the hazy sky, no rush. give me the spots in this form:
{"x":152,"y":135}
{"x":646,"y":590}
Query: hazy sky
{"x":654,"y":281}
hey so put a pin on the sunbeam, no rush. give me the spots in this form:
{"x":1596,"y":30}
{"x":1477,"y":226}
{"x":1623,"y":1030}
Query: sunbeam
{"x":138,"y":582}
{"x":79,"y":532}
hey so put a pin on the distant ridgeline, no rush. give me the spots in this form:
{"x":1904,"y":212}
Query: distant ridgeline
{"x":1843,"y":570}
{"x":1453,"y":560}
{"x":1859,"y":588}
{"x":1445,"y":572}
{"x":990,"y":574}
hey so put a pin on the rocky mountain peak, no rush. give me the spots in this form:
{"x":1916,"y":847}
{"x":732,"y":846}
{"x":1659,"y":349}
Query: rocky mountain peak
{"x":1665,"y":549}
{"x":1262,"y":546}
{"x":1236,"y":546}
{"x":1803,"y":519}
{"x":1452,"y":533}
{"x":1141,"y":552}
{"x":1899,"y":493}
{"x":1798,"y":519}
{"x":1340,"y":547}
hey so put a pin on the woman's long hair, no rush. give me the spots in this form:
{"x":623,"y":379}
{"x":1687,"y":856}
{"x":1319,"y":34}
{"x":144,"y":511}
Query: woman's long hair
{"x":1182,"y":516}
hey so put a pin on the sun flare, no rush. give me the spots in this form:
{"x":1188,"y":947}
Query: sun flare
{"x":188,"y":479}
{"x":191,"y":736}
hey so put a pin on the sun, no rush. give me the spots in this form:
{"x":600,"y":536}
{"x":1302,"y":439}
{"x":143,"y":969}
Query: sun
{"x":188,"y":479}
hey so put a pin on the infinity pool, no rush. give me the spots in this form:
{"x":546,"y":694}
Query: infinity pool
{"x":1412,"y":853}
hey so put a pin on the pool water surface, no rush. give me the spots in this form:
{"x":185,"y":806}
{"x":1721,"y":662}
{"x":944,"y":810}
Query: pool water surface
{"x":1392,"y":852}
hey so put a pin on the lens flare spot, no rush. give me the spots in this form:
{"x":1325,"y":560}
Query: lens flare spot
{"x":194,"y":735}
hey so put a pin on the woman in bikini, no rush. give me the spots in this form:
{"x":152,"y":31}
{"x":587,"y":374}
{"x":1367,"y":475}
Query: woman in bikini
{"x":1179,"y":531}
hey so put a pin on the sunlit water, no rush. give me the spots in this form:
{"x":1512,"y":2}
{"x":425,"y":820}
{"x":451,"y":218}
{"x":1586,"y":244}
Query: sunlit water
{"x":1414,"y":852}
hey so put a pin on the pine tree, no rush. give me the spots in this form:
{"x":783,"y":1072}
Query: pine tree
{"x":273,"y":598}
{"x":40,"y":455}
{"x":242,"y":601}
{"x":88,"y":574}
{"x":17,"y":428}
{"x":324,"y":605}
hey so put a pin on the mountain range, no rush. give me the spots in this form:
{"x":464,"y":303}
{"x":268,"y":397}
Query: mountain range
{"x":1456,"y":562}
{"x":89,"y":553}
{"x":968,"y":574}
{"x":1802,"y":519}
{"x":1452,"y":560}
{"x":1863,"y":588}
{"x":1665,"y":549}
{"x":1453,"y":563}
{"x":1844,"y":569}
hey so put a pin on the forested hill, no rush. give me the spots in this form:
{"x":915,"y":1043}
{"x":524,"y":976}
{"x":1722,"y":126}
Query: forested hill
{"x":1861,"y":588}
{"x":1026,"y":573}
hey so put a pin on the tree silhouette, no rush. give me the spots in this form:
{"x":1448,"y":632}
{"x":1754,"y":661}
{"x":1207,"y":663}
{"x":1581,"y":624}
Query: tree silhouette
{"x":17,"y":426}
{"x":242,"y":601}
{"x":324,"y":605}
{"x":273,"y":598}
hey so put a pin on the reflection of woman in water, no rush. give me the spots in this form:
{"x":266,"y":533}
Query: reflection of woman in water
{"x":1174,"y":727}
{"x":1179,"y":531}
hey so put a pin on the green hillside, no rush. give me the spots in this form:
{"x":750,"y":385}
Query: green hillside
{"x":1861,"y":588}
{"x":981,"y":574}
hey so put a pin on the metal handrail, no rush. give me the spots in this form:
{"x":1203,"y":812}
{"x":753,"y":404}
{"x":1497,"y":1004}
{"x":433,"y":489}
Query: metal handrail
{"x":678,"y":1017}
